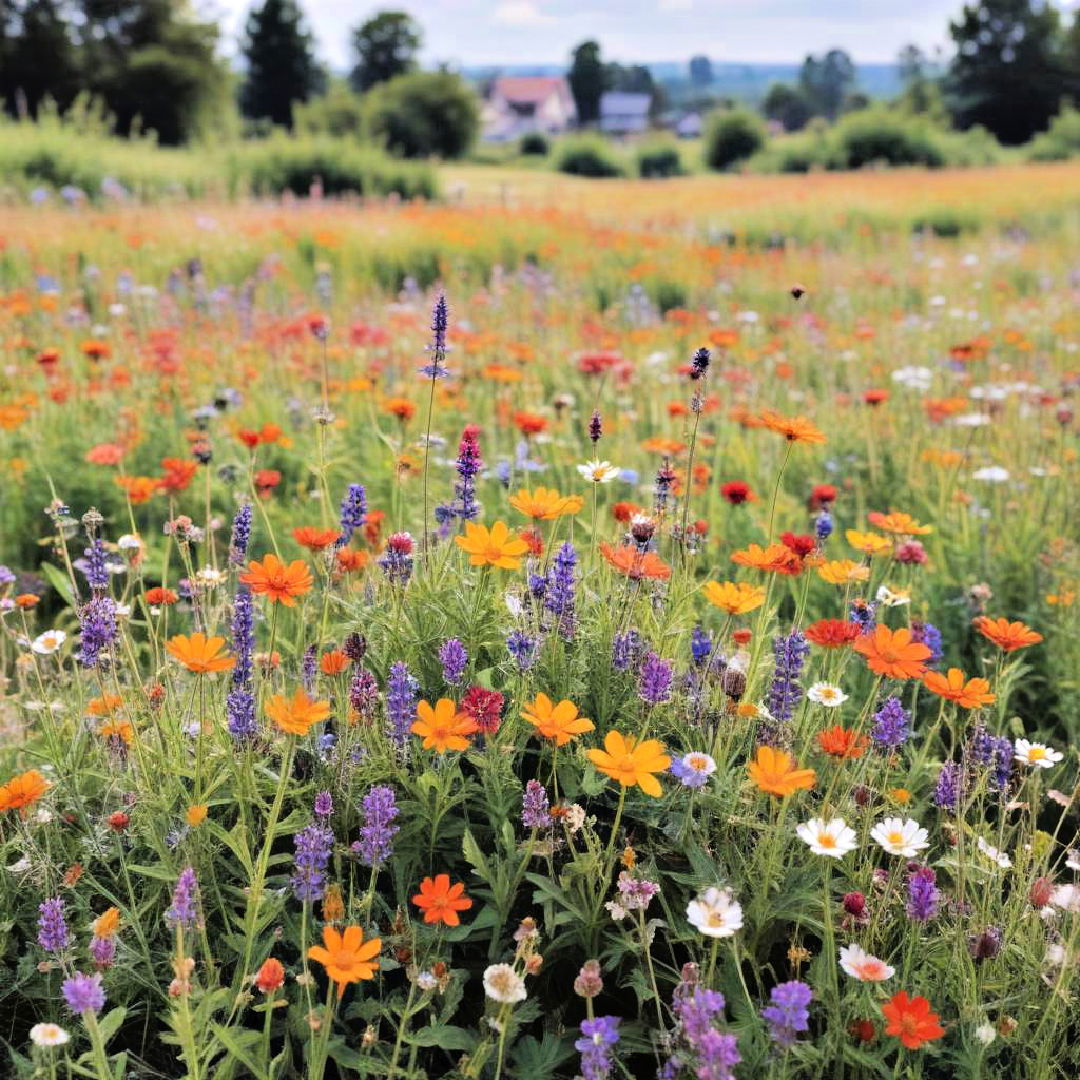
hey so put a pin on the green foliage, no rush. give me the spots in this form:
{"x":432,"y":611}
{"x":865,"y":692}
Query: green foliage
{"x":827,"y":81}
{"x":588,"y":155}
{"x":338,"y":113}
{"x":658,"y":158}
{"x":787,"y":105}
{"x":534,"y":144}
{"x":384,"y":47}
{"x":1061,"y":141}
{"x":586,"y":78}
{"x":424,"y":114}
{"x":732,"y":136}
{"x":878,"y":135}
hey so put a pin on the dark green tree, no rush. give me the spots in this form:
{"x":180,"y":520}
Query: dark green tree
{"x":586,"y":80}
{"x":701,"y":73}
{"x":787,"y":105}
{"x":384,"y":47}
{"x":37,"y":55}
{"x":1008,"y":73}
{"x":423,"y":114}
{"x":826,"y":82}
{"x":281,"y":64}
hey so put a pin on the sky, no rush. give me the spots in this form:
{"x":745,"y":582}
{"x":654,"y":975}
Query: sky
{"x":482,"y":32}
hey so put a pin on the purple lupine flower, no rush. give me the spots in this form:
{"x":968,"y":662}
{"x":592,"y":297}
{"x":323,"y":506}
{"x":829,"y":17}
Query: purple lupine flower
{"x":454,"y":660}
{"x":53,"y":933}
{"x":789,"y":1012}
{"x":241,"y":535}
{"x":890,"y":728}
{"x":355,"y":647}
{"x":537,"y":586}
{"x":468,"y":465}
{"x":97,"y":623}
{"x":184,"y":912}
{"x":397,"y":560}
{"x":699,"y":364}
{"x":437,"y":348}
{"x":700,"y":645}
{"x":364,"y":693}
{"x":401,"y":694}
{"x":240,"y":714}
{"x":596,"y":427}
{"x":823,"y":526}
{"x":713,"y":1055}
{"x":522,"y":648}
{"x":947,"y":789}
{"x":103,"y":951}
{"x":243,"y":636}
{"x":375,"y":845}
{"x":626,"y":650}
{"x":991,"y":752}
{"x":535,"y":812}
{"x":598,"y":1036}
{"x":923,"y":895}
{"x":313,"y":844}
{"x":353,"y":513}
{"x":324,"y":804}
{"x":665,"y":478}
{"x":785,"y":693}
{"x":95,"y":566}
{"x":83,"y":993}
{"x":654,"y":680}
{"x":308,"y":668}
{"x":929,"y":635}
{"x":559,"y":598}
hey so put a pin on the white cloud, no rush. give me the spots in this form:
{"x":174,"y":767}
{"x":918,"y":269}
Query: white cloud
{"x":520,"y":13}
{"x":675,"y":5}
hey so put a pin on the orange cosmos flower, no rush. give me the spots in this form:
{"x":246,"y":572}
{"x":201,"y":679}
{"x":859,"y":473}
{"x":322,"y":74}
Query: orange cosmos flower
{"x":967,"y":693}
{"x":22,"y":791}
{"x":631,"y":762}
{"x":839,"y":742}
{"x":559,"y":722}
{"x":898,"y":524}
{"x":279,"y":582}
{"x":832,"y":633}
{"x":443,"y":727}
{"x":105,"y":454}
{"x":402,"y":408}
{"x":775,"y":773}
{"x":139,"y":489}
{"x":911,"y":1020}
{"x":296,"y":716}
{"x":1007,"y":636}
{"x":105,"y":705}
{"x":492,"y":547}
{"x":347,"y":957}
{"x":795,"y":429}
{"x":842,"y":572}
{"x":734,"y":597}
{"x":333,"y":662}
{"x":348,"y":562}
{"x":117,"y":729}
{"x":179,"y":472}
{"x":868,"y":543}
{"x":315,"y":539}
{"x":160,"y":597}
{"x":776,"y":559}
{"x":440,"y":901}
{"x":545,"y":504}
{"x":634,"y":564}
{"x":200,"y":654}
{"x":892,"y":653}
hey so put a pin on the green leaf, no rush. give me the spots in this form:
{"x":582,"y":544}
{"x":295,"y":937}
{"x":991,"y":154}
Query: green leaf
{"x":446,"y":1036}
{"x":475,"y":857}
{"x":239,"y":1045}
{"x":60,"y":582}
{"x":111,"y":1022}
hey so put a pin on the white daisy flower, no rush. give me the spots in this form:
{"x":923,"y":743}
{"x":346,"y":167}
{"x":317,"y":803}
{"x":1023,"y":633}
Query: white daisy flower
{"x":992,"y":474}
{"x":1037,"y":755}
{"x":1066,"y":897}
{"x":823,"y":693}
{"x":859,"y":964}
{"x":992,"y":853}
{"x":893,"y":597}
{"x":503,"y":984}
{"x":899,"y":836}
{"x":46,"y":644}
{"x":48,"y":1035}
{"x":832,"y":838}
{"x":599,"y":472}
{"x":715,"y":913}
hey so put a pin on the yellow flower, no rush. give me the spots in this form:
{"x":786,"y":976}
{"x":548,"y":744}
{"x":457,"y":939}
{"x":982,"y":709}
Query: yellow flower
{"x":735,"y":597}
{"x":559,"y":722}
{"x":443,"y":727}
{"x":631,"y":762}
{"x":868,"y":543}
{"x":843,"y":571}
{"x":492,"y":547}
{"x":296,"y":716}
{"x":545,"y":504}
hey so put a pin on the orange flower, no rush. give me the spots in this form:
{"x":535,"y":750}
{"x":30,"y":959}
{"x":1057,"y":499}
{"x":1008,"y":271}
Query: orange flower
{"x":271,"y":976}
{"x":545,"y":504}
{"x":795,"y":429}
{"x":117,"y":729}
{"x":105,"y":454}
{"x":196,"y":814}
{"x":491,"y":547}
{"x":626,"y":559}
{"x":348,"y":562}
{"x":632,"y":762}
{"x":296,"y":716}
{"x":443,"y":727}
{"x":1007,"y":636}
{"x":776,"y":559}
{"x":200,"y":654}
{"x":279,"y":582}
{"x":775,"y":773}
{"x":106,"y":924}
{"x":315,"y":539}
{"x":898,"y":524}
{"x":911,"y":1020}
{"x":347,"y":957}
{"x":843,"y":572}
{"x":333,"y":662}
{"x":139,"y":489}
{"x":734,"y":597}
{"x":105,"y":705}
{"x":159,"y":596}
{"x":970,"y":694}
{"x":832,"y":633}
{"x":402,"y":408}
{"x":22,"y":791}
{"x":27,"y":600}
{"x":868,"y":543}
{"x":839,"y":742}
{"x":892,"y":653}
{"x":440,"y":901}
{"x":179,"y":472}
{"x":559,"y":722}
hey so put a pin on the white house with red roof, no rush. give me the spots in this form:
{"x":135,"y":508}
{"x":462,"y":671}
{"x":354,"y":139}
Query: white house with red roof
{"x":520,"y":104}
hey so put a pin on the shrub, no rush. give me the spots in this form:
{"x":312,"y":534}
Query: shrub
{"x":732,"y":136}
{"x":1061,"y":141}
{"x":423,"y":114}
{"x":534,"y":144}
{"x":877,"y":135}
{"x":659,"y":159}
{"x":588,"y":156}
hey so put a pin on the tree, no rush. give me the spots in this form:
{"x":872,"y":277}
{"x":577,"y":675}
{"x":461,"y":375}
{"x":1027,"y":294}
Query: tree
{"x":385,"y":46}
{"x":635,"y":79}
{"x":787,"y":105}
{"x":587,"y":81}
{"x":701,"y":73}
{"x":1008,"y":73}
{"x":281,"y":64}
{"x":37,"y":55}
{"x":921,"y":95}
{"x":423,"y":114}
{"x":827,"y":82}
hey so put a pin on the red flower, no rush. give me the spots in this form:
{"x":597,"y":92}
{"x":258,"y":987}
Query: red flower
{"x":737,"y":492}
{"x":875,"y":397}
{"x":911,"y":1020}
{"x":832,"y":633}
{"x":801,"y":545}
{"x":863,"y":1030}
{"x":485,"y":708}
{"x":822,"y":497}
{"x":179,"y":472}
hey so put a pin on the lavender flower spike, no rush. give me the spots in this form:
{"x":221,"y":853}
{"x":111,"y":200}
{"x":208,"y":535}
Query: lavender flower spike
{"x":184,"y":913}
{"x":375,"y":845}
{"x":53,"y":934}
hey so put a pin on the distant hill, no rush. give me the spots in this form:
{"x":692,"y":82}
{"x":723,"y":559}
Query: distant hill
{"x":745,"y":82}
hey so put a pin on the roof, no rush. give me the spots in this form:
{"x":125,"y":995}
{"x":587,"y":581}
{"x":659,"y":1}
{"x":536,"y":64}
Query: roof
{"x":618,"y":103}
{"x":535,"y":88}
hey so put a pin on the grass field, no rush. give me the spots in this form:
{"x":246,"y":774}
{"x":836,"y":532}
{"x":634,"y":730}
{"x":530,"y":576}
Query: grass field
{"x":574,"y":628}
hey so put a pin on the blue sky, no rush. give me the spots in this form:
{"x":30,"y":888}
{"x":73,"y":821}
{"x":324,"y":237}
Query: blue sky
{"x":543,"y":31}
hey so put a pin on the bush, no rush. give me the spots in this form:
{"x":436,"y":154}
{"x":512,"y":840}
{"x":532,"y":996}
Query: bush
{"x":589,"y":156}
{"x":732,"y":136}
{"x":338,"y":112}
{"x":876,"y":135}
{"x":659,"y":159}
{"x":534,"y":144}
{"x":1061,"y":141}
{"x":423,"y":114}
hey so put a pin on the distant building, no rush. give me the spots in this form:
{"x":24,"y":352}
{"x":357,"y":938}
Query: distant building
{"x":520,"y":105}
{"x":624,"y":114}
{"x":688,"y":126}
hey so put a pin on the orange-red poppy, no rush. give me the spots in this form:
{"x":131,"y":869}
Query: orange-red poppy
{"x":440,"y":901}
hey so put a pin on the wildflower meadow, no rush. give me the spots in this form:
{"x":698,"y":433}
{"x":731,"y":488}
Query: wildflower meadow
{"x":555,"y":631}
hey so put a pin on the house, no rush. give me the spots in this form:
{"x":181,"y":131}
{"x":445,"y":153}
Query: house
{"x":520,"y":105}
{"x":688,"y":126}
{"x":623,"y":113}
